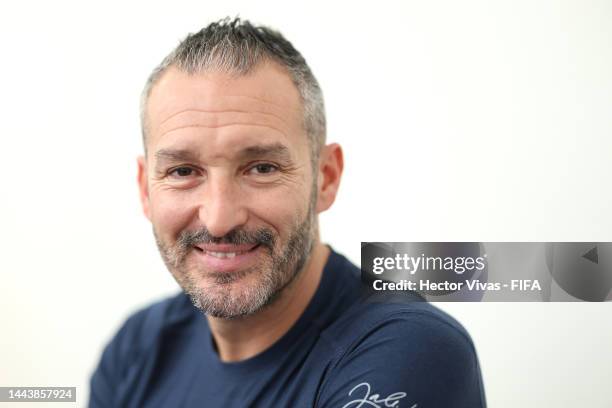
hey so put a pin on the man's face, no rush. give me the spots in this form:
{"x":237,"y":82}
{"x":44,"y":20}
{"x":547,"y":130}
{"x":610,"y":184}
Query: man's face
{"x":228,"y":185}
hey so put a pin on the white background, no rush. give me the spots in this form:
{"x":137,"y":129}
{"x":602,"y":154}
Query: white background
{"x":471,"y":121}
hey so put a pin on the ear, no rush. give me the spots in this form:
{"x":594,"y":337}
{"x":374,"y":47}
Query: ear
{"x":331,"y":163}
{"x":143,"y":186}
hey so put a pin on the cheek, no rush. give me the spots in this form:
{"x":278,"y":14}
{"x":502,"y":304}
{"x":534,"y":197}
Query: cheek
{"x":282,"y":210}
{"x":171,"y":213}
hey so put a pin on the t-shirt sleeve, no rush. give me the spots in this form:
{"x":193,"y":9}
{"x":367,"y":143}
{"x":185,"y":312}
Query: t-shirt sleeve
{"x":409,"y":360}
{"x":118,"y":356}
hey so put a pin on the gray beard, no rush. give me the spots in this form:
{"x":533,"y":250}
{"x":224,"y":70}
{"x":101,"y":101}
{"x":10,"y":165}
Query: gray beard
{"x":222,"y":299}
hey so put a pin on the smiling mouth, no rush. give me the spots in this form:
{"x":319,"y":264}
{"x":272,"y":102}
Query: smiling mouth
{"x":223,"y":255}
{"x":225,"y":251}
{"x":228,"y":258}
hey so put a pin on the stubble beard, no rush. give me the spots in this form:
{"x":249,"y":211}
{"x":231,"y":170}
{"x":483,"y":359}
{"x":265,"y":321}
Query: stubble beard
{"x":224,"y":296}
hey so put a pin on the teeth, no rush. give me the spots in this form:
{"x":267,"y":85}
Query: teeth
{"x":222,"y":255}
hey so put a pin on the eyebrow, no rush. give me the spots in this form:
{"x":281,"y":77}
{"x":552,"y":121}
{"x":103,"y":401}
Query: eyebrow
{"x":277,"y":151}
{"x":175,"y":155}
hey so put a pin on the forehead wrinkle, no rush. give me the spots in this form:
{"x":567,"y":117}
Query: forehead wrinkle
{"x":251,"y":102}
{"x":222,"y":126}
{"x":217,"y":119}
{"x":224,"y":111}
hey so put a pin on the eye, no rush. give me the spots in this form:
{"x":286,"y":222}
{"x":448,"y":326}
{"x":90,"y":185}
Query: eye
{"x":181,"y":172}
{"x":263,"y":168}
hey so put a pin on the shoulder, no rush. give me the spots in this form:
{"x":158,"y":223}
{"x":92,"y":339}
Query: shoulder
{"x":133,"y":342}
{"x":412,"y":348}
{"x":146,"y":324}
{"x":367,"y":317}
{"x":407,"y":321}
{"x":360,"y":315}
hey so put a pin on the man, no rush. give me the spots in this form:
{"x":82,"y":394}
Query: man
{"x":234,"y":174}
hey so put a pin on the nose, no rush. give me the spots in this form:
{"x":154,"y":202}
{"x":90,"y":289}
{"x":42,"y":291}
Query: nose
{"x":223,"y":207}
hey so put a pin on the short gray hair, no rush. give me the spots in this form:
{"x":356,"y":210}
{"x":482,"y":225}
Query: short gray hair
{"x":237,"y":46}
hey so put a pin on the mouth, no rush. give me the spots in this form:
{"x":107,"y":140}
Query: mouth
{"x":227,"y":257}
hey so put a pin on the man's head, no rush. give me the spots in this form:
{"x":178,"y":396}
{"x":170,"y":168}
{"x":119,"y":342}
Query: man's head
{"x":237,"y":47}
{"x":235,"y":169}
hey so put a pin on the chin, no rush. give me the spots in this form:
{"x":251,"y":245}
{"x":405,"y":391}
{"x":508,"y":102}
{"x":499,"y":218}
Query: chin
{"x":230,"y":295}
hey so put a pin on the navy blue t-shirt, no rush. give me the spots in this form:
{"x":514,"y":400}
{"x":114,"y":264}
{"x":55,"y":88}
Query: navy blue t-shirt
{"x":344,"y":351}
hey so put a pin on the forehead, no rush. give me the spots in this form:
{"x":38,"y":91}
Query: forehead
{"x":266,"y":97}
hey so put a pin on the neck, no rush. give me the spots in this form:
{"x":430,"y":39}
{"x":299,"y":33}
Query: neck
{"x":239,"y":339}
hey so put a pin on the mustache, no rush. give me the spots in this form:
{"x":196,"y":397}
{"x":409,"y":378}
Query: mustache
{"x":261,"y":236}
